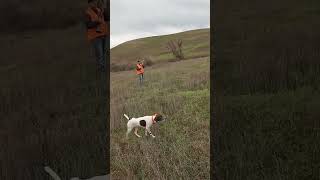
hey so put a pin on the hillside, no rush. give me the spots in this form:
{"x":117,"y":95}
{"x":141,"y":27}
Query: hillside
{"x":196,"y":43}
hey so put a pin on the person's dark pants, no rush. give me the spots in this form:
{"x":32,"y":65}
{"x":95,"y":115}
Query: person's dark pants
{"x":140,"y":78}
{"x":100,"y":51}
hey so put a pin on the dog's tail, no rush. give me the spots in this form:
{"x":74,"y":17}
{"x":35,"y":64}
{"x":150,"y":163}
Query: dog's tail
{"x":126,"y":116}
{"x":52,"y":173}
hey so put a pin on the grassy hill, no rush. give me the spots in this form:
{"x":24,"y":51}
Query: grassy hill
{"x":196,"y":43}
{"x":180,"y":91}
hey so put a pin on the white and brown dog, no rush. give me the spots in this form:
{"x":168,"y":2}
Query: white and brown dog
{"x":144,"y":122}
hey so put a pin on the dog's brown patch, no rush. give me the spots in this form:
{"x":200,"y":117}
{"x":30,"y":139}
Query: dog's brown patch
{"x":158,"y":118}
{"x":143,"y":123}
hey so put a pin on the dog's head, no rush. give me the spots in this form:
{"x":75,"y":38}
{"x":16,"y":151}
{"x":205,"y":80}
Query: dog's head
{"x":159,"y":118}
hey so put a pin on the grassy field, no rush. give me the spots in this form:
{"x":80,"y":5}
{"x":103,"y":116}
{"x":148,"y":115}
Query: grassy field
{"x":180,"y":91}
{"x":52,"y":109}
{"x":195,"y":44}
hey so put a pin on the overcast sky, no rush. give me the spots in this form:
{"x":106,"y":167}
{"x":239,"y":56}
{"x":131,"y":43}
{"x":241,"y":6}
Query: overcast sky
{"x":133,"y":19}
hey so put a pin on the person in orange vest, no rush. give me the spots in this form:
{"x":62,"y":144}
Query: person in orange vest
{"x":140,"y":71}
{"x":96,"y":19}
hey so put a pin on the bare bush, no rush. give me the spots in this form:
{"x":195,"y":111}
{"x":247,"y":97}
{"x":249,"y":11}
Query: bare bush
{"x":175,"y":47}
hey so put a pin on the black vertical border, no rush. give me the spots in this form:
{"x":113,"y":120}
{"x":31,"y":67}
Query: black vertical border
{"x":213,"y":140}
{"x":108,"y":90}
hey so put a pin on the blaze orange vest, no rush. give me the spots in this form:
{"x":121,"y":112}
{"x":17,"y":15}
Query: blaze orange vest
{"x":92,"y":32}
{"x":140,"y":69}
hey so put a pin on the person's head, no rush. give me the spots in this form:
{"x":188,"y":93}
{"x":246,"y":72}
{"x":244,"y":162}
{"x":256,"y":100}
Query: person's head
{"x":93,"y":3}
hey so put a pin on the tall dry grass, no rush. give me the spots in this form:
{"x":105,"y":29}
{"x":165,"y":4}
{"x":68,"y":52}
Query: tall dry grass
{"x":180,"y":150}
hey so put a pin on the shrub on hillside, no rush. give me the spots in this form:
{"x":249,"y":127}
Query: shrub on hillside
{"x":175,"y":47}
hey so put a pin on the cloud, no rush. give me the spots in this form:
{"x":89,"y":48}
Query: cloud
{"x":141,"y":18}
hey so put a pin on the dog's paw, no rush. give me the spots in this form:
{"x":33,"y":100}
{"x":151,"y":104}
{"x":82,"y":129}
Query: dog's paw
{"x":153,"y":136}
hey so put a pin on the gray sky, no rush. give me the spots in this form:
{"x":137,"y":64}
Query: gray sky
{"x":133,"y":19}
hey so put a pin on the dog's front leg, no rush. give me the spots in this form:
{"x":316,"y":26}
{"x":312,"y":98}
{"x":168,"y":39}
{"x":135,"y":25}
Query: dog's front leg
{"x":148,"y":129}
{"x":136,"y":132}
{"x":145,"y":132}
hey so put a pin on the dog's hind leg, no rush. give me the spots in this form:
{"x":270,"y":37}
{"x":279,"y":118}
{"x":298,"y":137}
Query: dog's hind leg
{"x":128,"y":131}
{"x":136,"y":132}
